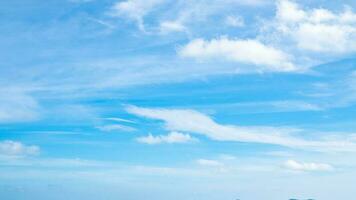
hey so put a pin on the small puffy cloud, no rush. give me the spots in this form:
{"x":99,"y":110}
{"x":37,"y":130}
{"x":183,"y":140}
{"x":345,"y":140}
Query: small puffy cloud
{"x":301,"y":166}
{"x":14,"y":148}
{"x":317,"y":30}
{"x":173,"y":137}
{"x":251,"y":52}
{"x":234,"y":21}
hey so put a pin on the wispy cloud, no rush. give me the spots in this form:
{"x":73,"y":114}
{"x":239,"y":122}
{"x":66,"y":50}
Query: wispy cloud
{"x":115,"y":127}
{"x":135,"y":10}
{"x":102,"y":22}
{"x":172,"y":137}
{"x":117,"y":119}
{"x":199,"y":123}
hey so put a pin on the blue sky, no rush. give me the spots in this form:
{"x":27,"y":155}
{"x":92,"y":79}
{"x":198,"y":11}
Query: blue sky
{"x":174,"y":99}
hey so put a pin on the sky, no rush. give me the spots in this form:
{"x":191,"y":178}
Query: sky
{"x":175,"y":99}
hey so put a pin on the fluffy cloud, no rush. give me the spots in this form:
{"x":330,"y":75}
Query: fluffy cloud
{"x":173,"y":137}
{"x":13,"y":148}
{"x":199,"y":123}
{"x":250,"y":52}
{"x":317,"y":30}
{"x":300,"y":166}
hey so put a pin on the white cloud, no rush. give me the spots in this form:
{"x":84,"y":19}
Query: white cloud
{"x":301,"y":166}
{"x":199,"y":123}
{"x":173,"y":137}
{"x":326,"y":38}
{"x":14,"y":148}
{"x":250,"y":52}
{"x":171,"y":26}
{"x":317,"y":30}
{"x":135,"y":10}
{"x":288,"y":11}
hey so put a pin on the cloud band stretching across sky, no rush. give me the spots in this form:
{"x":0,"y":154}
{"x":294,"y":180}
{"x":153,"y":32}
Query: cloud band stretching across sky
{"x":196,"y":122}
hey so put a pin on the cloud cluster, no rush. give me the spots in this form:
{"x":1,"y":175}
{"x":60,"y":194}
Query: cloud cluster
{"x":293,"y":40}
{"x":317,"y":30}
